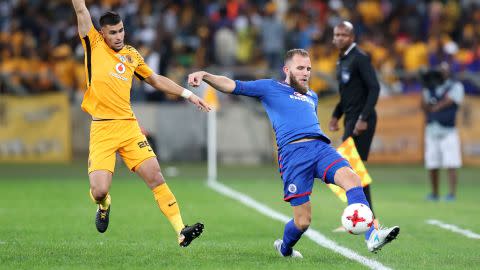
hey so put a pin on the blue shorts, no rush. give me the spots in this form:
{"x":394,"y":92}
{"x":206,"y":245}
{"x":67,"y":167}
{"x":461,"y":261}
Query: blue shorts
{"x":299,"y":163}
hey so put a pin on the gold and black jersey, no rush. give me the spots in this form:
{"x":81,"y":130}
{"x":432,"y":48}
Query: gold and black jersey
{"x":109,"y":77}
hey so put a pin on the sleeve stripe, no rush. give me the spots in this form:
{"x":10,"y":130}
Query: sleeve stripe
{"x":88,"y":52}
{"x":139,"y":76}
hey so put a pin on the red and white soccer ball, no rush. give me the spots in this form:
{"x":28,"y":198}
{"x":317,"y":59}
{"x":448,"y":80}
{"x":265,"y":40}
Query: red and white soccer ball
{"x":357,"y":218}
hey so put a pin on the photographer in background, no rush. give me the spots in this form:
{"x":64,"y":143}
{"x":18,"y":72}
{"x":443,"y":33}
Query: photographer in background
{"x":442,"y":96}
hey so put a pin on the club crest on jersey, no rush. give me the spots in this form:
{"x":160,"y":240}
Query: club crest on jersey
{"x":292,"y":188}
{"x":129,"y":58}
{"x":120,"y":68}
{"x":345,"y":74}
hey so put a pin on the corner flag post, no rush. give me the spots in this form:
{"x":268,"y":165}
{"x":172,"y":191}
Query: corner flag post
{"x":211,"y":98}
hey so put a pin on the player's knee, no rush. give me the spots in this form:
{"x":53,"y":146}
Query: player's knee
{"x":347,"y":178}
{"x":155,"y":178}
{"x":303,"y":222}
{"x":158,"y":178}
{"x":99,"y":193}
{"x":355,"y":179}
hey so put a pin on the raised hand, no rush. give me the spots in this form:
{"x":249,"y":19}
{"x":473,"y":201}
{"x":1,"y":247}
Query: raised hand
{"x":195,"y":78}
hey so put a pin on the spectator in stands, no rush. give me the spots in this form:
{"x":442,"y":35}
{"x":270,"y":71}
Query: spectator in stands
{"x":182,"y":33}
{"x":63,"y":66}
{"x":324,"y":59}
{"x":272,"y":37}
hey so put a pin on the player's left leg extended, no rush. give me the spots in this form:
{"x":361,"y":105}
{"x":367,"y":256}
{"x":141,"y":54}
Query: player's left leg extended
{"x":140,"y":158}
{"x":149,"y":170}
{"x":346,"y":178}
{"x":334,"y":169}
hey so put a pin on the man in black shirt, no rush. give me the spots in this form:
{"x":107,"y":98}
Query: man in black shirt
{"x":359,"y":91}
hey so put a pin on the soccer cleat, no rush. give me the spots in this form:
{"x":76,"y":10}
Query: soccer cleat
{"x":449,"y":198}
{"x":431,"y":197}
{"x":381,"y":237}
{"x":101,"y":219}
{"x":278,"y":246}
{"x":189,"y":233}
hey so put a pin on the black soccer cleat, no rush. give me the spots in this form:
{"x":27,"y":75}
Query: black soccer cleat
{"x":101,"y":219}
{"x":189,"y":233}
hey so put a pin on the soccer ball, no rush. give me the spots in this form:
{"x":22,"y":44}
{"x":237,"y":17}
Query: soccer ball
{"x":357,"y":218}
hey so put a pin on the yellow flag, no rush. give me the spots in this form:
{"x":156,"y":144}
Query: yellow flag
{"x":210,"y":96}
{"x":348,"y":150}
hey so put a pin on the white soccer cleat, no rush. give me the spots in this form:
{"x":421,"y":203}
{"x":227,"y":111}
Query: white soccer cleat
{"x":381,"y":237}
{"x":278,"y":246}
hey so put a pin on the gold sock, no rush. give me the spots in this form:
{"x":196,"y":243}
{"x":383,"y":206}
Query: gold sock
{"x":169,"y":206}
{"x":104,"y":203}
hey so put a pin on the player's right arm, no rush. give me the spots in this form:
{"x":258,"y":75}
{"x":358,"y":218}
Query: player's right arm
{"x":221,"y":83}
{"x":83,"y":17}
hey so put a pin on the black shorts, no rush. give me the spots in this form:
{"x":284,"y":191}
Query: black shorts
{"x":364,"y":140}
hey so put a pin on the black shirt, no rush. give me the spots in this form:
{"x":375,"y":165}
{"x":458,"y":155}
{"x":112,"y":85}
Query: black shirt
{"x":358,"y":86}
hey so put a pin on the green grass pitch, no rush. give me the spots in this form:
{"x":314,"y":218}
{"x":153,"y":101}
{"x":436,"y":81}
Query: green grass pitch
{"x":47,"y":221}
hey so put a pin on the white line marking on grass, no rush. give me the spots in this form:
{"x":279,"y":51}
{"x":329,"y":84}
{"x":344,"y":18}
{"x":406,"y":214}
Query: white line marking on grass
{"x":314,"y":235}
{"x":453,"y":228}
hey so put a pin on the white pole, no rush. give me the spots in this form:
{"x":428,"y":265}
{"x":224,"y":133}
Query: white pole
{"x":212,"y":145}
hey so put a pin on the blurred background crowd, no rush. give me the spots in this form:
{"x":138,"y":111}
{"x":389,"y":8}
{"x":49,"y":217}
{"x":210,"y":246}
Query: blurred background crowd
{"x":40,"y":50}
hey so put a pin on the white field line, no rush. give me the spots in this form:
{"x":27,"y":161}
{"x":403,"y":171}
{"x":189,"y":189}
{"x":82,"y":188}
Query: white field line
{"x":453,"y":228}
{"x":314,"y":235}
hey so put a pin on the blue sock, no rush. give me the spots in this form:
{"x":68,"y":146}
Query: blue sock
{"x":291,"y":235}
{"x":356,"y":195}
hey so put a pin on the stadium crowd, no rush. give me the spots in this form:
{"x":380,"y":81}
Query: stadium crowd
{"x":40,"y":49}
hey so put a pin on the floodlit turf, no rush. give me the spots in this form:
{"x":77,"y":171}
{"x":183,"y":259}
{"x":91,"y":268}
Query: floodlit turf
{"x":47,"y":222}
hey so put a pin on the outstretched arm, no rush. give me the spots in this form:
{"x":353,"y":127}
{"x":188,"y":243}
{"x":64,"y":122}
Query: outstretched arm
{"x":83,"y":17}
{"x":166,"y":85}
{"x":221,"y":83}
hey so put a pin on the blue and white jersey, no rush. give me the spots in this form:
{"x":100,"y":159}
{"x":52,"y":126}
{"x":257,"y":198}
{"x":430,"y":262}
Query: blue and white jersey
{"x":293,"y":115}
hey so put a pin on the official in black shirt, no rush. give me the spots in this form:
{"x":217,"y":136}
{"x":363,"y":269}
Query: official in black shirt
{"x":359,"y":91}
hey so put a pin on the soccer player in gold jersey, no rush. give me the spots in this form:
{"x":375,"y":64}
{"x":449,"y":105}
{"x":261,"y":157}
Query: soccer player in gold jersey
{"x":110,"y":66}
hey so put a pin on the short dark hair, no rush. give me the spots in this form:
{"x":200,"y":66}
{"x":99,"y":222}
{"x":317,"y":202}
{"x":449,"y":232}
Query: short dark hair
{"x":291,"y":53}
{"x":110,"y":18}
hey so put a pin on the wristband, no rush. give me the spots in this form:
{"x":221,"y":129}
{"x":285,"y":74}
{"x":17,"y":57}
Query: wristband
{"x":186,"y":93}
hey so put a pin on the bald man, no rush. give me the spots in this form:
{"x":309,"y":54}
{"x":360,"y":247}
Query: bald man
{"x":359,"y":89}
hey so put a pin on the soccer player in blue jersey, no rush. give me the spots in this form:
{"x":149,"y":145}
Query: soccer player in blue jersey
{"x":304,"y":152}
